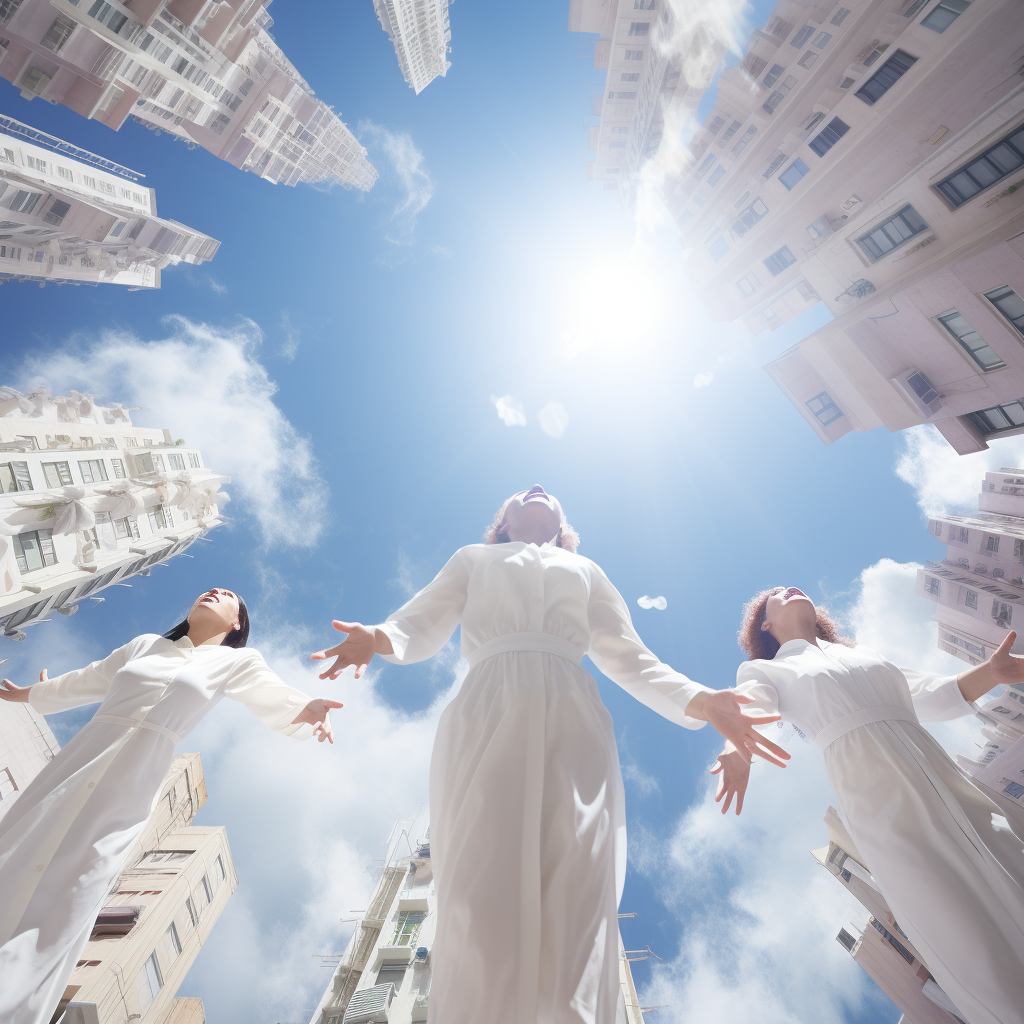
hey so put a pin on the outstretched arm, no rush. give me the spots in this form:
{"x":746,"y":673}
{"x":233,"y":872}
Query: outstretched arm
{"x":361,"y":643}
{"x":724,"y":710}
{"x":73,"y":689}
{"x":317,"y":713}
{"x":277,"y":705}
{"x":1002,"y":667}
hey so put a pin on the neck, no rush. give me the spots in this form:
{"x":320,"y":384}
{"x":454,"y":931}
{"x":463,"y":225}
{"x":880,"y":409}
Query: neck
{"x":808,"y":633}
{"x":200,"y":635}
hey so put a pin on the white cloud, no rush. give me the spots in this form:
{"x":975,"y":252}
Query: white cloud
{"x":553,"y":419}
{"x":703,"y":380}
{"x":207,"y":385}
{"x":202,"y":279}
{"x":652,"y":602}
{"x":216,"y":286}
{"x":406,"y":165}
{"x":290,"y":345}
{"x":638,"y":779}
{"x":510,"y":410}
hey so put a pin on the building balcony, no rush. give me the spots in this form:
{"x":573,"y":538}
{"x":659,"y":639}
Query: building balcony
{"x":370,"y":1004}
{"x":415,"y":898}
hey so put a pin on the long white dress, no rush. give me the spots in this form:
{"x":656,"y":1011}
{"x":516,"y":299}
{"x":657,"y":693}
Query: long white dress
{"x":65,"y":838}
{"x":528,"y":831}
{"x":953,"y":880}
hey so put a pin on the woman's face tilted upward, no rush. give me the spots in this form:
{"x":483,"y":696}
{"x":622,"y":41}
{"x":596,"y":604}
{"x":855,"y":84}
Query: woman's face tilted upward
{"x":533,"y":516}
{"x":217,"y":607}
{"x":788,"y":610}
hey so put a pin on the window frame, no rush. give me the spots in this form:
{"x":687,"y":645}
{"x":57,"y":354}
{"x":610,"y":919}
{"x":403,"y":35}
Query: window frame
{"x":799,"y":168}
{"x":1018,"y":327}
{"x":863,"y":240}
{"x":828,"y":136}
{"x":945,"y":186}
{"x":827,"y":403}
{"x":865,"y":93}
{"x":781,"y":253}
{"x":943,"y":321}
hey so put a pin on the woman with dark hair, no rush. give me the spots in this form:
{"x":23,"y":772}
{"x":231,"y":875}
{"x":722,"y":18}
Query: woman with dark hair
{"x":65,"y":838}
{"x":527,"y":816}
{"x":925,"y":836}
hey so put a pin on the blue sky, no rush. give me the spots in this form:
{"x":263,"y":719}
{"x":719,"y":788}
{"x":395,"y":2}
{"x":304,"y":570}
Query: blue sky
{"x":385,"y":335}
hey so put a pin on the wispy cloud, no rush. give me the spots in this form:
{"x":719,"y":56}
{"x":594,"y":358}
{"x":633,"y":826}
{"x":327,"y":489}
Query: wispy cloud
{"x":660,"y":603}
{"x":405,"y":168}
{"x":207,"y":385}
{"x":202,"y":279}
{"x":510,"y":410}
{"x":553,"y":419}
{"x":703,"y":380}
{"x":292,"y":337}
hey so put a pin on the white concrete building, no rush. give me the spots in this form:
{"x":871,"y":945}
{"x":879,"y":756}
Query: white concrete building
{"x":657,"y":71}
{"x":69,"y":216}
{"x":207,"y":72}
{"x":420,"y":33}
{"x":26,"y":744}
{"x":384,"y":972}
{"x":87,"y":500}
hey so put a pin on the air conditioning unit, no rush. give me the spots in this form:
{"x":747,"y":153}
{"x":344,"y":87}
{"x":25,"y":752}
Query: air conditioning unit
{"x":918,"y":391}
{"x":33,"y":83}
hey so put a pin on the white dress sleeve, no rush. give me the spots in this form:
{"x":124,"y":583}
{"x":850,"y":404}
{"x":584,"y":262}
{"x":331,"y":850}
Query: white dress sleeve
{"x":425,"y":623}
{"x":268,"y":696}
{"x":617,"y":650}
{"x":753,"y":682}
{"x":79,"y":686}
{"x":936,"y":698}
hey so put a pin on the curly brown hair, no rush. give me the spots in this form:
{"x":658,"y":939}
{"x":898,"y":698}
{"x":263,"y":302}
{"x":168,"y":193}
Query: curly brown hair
{"x":568,"y":538}
{"x":759,"y":643}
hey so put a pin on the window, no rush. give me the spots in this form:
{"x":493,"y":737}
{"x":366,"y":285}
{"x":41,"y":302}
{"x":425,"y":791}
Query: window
{"x":643,"y":5}
{"x":611,"y":145}
{"x":1018,"y":549}
{"x":634,"y":55}
{"x":153,"y":975}
{"x":986,"y":169}
{"x":391,"y":974}
{"x":98,"y":582}
{"x":829,"y":136}
{"x":207,"y":889}
{"x":705,"y":164}
{"x":824,"y":409}
{"x":622,"y":95}
{"x":716,"y":175}
{"x":894,"y":942}
{"x":773,"y":101}
{"x":639,"y":28}
{"x":999,"y":417}
{"x":11,"y":252}
{"x":773,"y":75}
{"x":779,"y":260}
{"x":24,"y":201}
{"x":34,"y":550}
{"x":92,"y":470}
{"x":62,"y":598}
{"x":407,"y":928}
{"x":840,"y":16}
{"x":802,"y":36}
{"x":776,"y":163}
{"x":944,"y":13}
{"x":172,"y":938}
{"x":1002,"y":612}
{"x":931,"y":585}
{"x":66,"y":172}
{"x":698,"y":199}
{"x":749,"y":217}
{"x":14,"y":476}
{"x":964,"y":534}
{"x":57,"y":474}
{"x":991,"y":544}
{"x":716,"y":126}
{"x":57,"y":34}
{"x":892,"y":233}
{"x":808,"y":59}
{"x":221,"y":873}
{"x":193,"y":914}
{"x":718,"y":249}
{"x":157,"y":518}
{"x":729,"y":132}
{"x":971,"y":342}
{"x":971,"y":599}
{"x":754,"y":65}
{"x":810,"y":122}
{"x":936,"y":528}
{"x":176,"y":461}
{"x":821,"y":40}
{"x":629,"y":76}
{"x":118,"y":464}
{"x":793,"y":173}
{"x":1010,"y":304}
{"x":743,"y":140}
{"x":748,"y":285}
{"x":886,"y":77}
{"x":193,"y":460}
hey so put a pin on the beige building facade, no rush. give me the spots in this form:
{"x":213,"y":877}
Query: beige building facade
{"x":26,"y":745}
{"x":420,"y":32}
{"x":69,"y":216}
{"x":207,"y":72}
{"x":120,"y":499}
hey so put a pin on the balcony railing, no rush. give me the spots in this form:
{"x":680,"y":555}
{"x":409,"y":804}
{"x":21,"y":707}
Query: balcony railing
{"x":370,"y":1004}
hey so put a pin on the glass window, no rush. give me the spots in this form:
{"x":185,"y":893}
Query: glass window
{"x":118,"y":464}
{"x":639,"y":28}
{"x":176,"y":461}
{"x":34,"y":550}
{"x":802,"y":36}
{"x":971,"y":599}
{"x":629,"y":76}
{"x":190,"y":906}
{"x":154,"y":975}
{"x":14,"y":476}
{"x":892,"y":233}
{"x":964,"y":534}
{"x":773,"y":101}
{"x":57,"y":212}
{"x":716,"y":175}
{"x":886,"y":77}
{"x":62,"y":597}
{"x":776,"y":162}
{"x":944,"y":13}
{"x":1002,"y":612}
{"x":57,"y":474}
{"x":1010,"y":304}
{"x":1005,"y":157}
{"x":718,"y":249}
{"x":221,"y":873}
{"x":793,"y":173}
{"x":829,"y":136}
{"x":992,"y":543}
{"x":747,"y":285}
{"x":207,"y":889}
{"x":824,"y":409}
{"x":779,"y":260}
{"x":749,"y":217}
{"x":407,"y":928}
{"x":773,"y":75}
{"x":92,"y":470}
{"x":999,"y":417}
{"x":840,"y":16}
{"x":971,"y":342}
{"x":821,"y":40}
{"x":730,"y":132}
{"x":698,"y":199}
{"x":808,"y":59}
{"x":172,"y":938}
{"x":157,"y":519}
{"x":931,"y":585}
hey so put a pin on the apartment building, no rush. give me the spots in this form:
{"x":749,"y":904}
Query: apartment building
{"x":656,"y":72}
{"x":420,"y":33}
{"x":207,"y":72}
{"x":159,"y":913}
{"x":89,"y":501}
{"x":885,"y":953}
{"x":69,"y":216}
{"x":384,"y":972}
{"x":26,"y":745}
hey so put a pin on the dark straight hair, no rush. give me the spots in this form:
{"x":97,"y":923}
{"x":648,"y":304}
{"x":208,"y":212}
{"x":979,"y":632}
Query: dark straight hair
{"x":236,"y":638}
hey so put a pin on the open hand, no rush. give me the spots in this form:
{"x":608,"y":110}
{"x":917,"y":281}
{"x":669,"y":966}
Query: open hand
{"x":317,"y":713}
{"x":17,"y":694}
{"x":733,"y":767}
{"x":724,"y":710}
{"x":358,"y":649}
{"x":1006,"y":667}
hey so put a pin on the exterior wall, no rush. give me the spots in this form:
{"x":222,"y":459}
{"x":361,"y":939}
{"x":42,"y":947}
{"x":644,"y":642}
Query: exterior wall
{"x":207,"y":72}
{"x":112,"y":972}
{"x":150,"y":497}
{"x":420,"y":33}
{"x":26,"y":744}
{"x":87,"y":223}
{"x":657,"y":71}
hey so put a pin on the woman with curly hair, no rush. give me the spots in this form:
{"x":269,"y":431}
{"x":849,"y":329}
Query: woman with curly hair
{"x":527,"y":809}
{"x":953,"y":877}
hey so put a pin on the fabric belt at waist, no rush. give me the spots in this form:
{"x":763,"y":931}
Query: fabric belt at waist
{"x":544,"y":643}
{"x":133,"y":723}
{"x":866,"y":716}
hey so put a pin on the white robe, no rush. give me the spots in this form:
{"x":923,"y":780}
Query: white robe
{"x":65,"y":838}
{"x":527,"y":812}
{"x":954,"y":881}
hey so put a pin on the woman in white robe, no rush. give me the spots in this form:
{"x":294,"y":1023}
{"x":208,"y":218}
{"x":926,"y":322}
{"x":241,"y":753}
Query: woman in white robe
{"x":64,"y":840}
{"x":952,"y":877}
{"x":528,"y":828}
